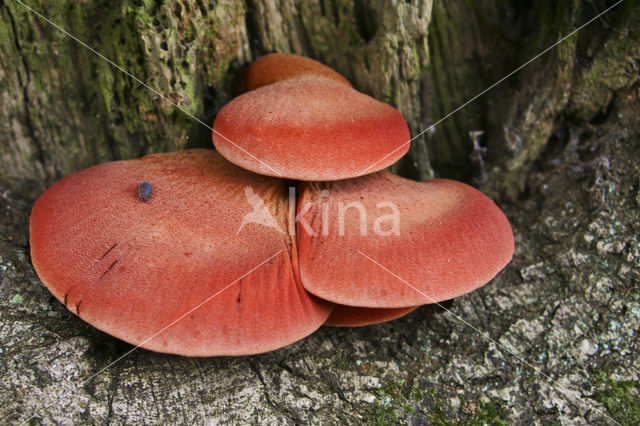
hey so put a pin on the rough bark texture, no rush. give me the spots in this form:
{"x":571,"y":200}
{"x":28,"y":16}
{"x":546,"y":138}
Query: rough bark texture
{"x":562,"y":156}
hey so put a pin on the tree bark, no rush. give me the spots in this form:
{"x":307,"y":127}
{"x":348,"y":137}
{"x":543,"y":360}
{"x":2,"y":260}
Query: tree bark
{"x":67,"y":108}
{"x":557,"y":147}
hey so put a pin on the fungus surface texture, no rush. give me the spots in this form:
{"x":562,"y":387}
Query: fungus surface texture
{"x":351,"y":316}
{"x":276,"y":67}
{"x":393,"y":242}
{"x":311,"y":129}
{"x":133,"y":268}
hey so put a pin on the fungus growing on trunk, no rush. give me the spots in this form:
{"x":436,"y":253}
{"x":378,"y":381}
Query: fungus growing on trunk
{"x":188,"y":254}
{"x":276,"y":67}
{"x":351,"y":316}
{"x":133,"y":268}
{"x":451,"y":240}
{"x":311,"y":129}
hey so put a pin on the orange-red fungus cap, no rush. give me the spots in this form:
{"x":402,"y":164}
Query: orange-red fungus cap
{"x":155,"y":252}
{"x":351,"y":316}
{"x":381,"y":241}
{"x":310,"y":129}
{"x":276,"y":67}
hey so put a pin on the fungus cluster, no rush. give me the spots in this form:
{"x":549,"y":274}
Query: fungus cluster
{"x":203,"y":252}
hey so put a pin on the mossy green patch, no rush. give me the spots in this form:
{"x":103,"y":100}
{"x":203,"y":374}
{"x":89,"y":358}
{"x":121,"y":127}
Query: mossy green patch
{"x":396,"y":404}
{"x":390,"y":404}
{"x":621,"y":398}
{"x":487,"y":413}
{"x":116,"y":91}
{"x":611,"y":70}
{"x":472,"y":414}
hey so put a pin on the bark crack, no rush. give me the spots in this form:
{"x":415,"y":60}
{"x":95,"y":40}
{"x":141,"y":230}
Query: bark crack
{"x":25,"y":92}
{"x":112,"y":393}
{"x":267,"y":395}
{"x":253,"y":35}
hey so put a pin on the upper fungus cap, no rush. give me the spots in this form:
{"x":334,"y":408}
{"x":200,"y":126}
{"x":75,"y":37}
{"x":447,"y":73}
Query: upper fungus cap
{"x":154,"y":252}
{"x":276,"y":67}
{"x":311,"y":129}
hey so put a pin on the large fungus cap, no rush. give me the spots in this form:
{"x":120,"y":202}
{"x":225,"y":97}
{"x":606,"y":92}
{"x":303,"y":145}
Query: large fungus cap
{"x":310,"y":129}
{"x":276,"y":67}
{"x":134,"y":246}
{"x":391,"y":242}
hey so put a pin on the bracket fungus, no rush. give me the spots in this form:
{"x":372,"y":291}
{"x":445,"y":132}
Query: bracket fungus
{"x":311,"y":129}
{"x":352,"y":316}
{"x":276,"y":67}
{"x":450,"y":239}
{"x":140,"y":270}
{"x":189,"y":254}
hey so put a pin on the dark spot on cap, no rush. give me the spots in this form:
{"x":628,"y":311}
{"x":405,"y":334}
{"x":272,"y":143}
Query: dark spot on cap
{"x":145,"y":191}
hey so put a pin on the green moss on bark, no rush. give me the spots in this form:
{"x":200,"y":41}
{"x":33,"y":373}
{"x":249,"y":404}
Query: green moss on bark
{"x":395,"y":405}
{"x":72,"y":109}
{"x":621,"y":398}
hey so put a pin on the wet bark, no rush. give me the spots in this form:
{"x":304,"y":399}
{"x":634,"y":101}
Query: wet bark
{"x":557,"y":146}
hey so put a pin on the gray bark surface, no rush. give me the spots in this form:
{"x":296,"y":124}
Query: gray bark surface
{"x":562,"y":160}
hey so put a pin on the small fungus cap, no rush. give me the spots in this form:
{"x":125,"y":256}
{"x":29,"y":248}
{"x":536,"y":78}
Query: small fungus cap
{"x":276,"y":67}
{"x":310,"y":129}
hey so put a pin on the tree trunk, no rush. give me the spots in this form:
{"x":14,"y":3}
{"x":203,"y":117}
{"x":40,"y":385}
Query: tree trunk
{"x":556,"y":145}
